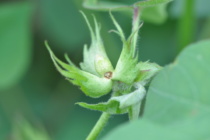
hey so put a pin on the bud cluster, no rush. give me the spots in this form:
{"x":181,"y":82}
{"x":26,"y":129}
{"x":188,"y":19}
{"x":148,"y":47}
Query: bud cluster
{"x":97,"y":77}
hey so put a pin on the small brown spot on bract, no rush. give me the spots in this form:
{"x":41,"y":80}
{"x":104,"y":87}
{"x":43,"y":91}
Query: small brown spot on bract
{"x":108,"y":75}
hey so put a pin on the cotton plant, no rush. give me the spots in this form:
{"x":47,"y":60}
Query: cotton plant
{"x":97,"y":77}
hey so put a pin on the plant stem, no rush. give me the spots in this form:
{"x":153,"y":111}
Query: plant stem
{"x":134,"y":112}
{"x":186,"y":27}
{"x":136,"y":20}
{"x":98,"y":126}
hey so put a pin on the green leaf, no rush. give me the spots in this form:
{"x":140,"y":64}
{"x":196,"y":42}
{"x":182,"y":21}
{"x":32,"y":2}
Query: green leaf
{"x":119,"y":104}
{"x":148,"y":3}
{"x":156,"y":14}
{"x":108,"y":5}
{"x":90,"y":84}
{"x":65,"y":25}
{"x":15,"y":38}
{"x":143,"y":129}
{"x":105,"y":6}
{"x":180,"y":92}
{"x":23,"y":130}
{"x":187,"y":126}
{"x":153,"y":11}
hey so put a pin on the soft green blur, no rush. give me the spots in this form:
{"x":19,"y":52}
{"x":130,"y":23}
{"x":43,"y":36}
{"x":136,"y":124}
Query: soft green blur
{"x":31,"y":87}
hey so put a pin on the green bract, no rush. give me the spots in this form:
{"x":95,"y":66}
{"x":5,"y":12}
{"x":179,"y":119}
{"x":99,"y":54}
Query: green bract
{"x":97,"y":76}
{"x":127,"y":68}
{"x":146,"y":71}
{"x":95,"y":58}
{"x":90,"y":84}
{"x":121,"y":104}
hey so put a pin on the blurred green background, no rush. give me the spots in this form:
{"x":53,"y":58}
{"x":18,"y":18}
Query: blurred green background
{"x":30,"y":86}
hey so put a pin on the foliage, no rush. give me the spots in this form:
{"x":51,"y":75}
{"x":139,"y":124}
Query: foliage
{"x":97,"y":77}
{"x":176,"y":106}
{"x":153,"y":11}
{"x":23,"y":130}
{"x":15,"y":38}
{"x":144,"y":129}
{"x":179,"y":103}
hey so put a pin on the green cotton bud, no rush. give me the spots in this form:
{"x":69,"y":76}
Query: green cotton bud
{"x":97,"y":77}
{"x":103,"y":66}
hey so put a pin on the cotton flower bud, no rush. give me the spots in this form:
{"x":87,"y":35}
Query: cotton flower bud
{"x":103,"y":66}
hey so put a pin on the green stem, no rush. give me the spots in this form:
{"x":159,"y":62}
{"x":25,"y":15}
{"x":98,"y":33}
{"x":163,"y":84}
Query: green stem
{"x":135,"y":109}
{"x":186,"y":27}
{"x":134,"y":112}
{"x":99,"y":126}
{"x":135,"y":28}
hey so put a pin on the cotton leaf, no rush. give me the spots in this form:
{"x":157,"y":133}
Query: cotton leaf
{"x":90,"y":84}
{"x":119,"y":6}
{"x":23,"y":130}
{"x":148,"y":3}
{"x":105,"y":5}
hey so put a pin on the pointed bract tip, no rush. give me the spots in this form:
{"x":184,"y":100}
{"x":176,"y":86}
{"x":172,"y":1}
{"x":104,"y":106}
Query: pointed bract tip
{"x":46,"y":43}
{"x":81,"y":12}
